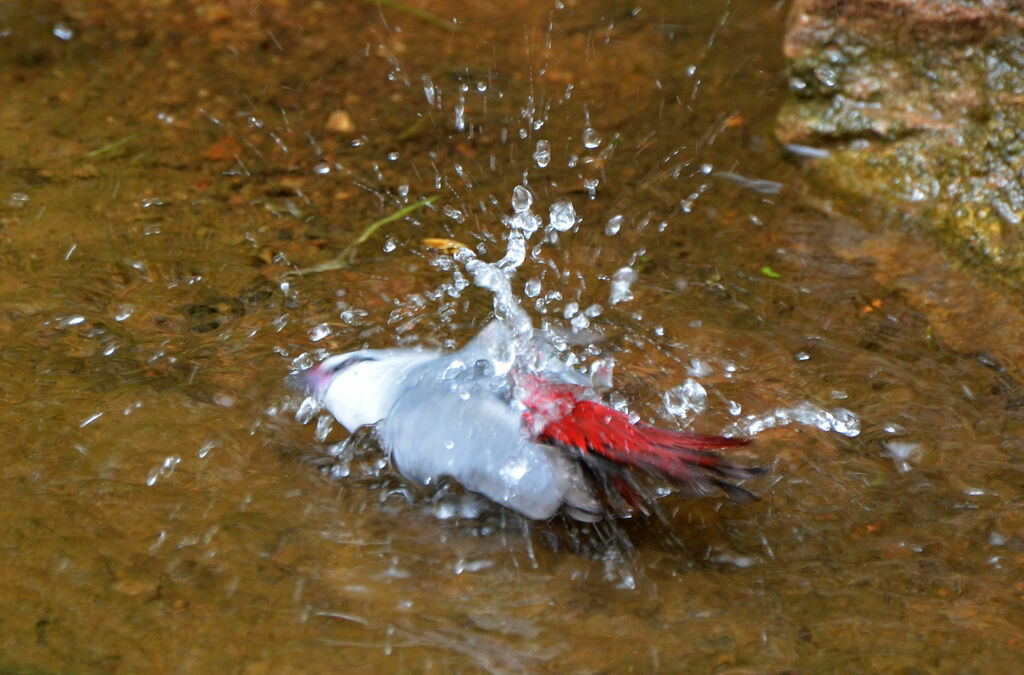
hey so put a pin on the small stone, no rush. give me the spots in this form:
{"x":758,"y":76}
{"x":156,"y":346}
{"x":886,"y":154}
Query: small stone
{"x":85,"y":171}
{"x":340,"y":122}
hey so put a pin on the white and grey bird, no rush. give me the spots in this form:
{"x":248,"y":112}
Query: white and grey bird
{"x":521,"y":429}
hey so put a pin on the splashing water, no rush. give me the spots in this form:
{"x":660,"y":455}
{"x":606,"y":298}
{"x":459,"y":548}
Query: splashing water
{"x":562,"y":215}
{"x":622,"y":284}
{"x":613,"y":225}
{"x":497,"y":277}
{"x":687,"y":400}
{"x":542,"y":155}
{"x":840,"y":420}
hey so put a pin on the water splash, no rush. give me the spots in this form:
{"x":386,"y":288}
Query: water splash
{"x":561,"y":215}
{"x":164,"y":470}
{"x":542,"y":154}
{"x":687,"y":400}
{"x":320,"y":332}
{"x":840,"y":420}
{"x":307,"y":410}
{"x":622,"y":284}
{"x":904,"y":454}
{"x":497,"y":277}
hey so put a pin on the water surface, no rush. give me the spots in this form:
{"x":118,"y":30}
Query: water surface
{"x":166,"y":169}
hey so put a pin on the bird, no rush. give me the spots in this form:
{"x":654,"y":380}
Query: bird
{"x":517,"y":426}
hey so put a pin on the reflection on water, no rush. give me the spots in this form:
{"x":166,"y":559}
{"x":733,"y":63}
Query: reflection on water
{"x":167,"y":165}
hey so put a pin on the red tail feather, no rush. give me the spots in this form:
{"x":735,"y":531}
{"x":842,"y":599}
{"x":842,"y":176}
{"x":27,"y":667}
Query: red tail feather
{"x":590,"y":426}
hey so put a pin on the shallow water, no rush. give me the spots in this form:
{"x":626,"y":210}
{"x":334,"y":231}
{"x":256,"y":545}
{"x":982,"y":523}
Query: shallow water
{"x":165,"y":171}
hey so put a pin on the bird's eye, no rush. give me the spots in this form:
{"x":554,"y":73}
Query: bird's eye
{"x":343,"y":364}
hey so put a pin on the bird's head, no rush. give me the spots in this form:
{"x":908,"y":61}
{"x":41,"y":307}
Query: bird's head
{"x":320,"y":377}
{"x":360,"y":387}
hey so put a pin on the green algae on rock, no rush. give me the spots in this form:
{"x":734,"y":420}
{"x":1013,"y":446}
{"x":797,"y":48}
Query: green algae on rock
{"x":920,"y":105}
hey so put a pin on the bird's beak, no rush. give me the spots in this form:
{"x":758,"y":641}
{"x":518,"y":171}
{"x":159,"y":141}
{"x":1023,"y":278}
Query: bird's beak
{"x":313,"y":380}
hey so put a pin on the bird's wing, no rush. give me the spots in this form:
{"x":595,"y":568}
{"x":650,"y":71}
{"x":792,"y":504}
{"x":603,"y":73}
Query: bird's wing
{"x":460,"y":427}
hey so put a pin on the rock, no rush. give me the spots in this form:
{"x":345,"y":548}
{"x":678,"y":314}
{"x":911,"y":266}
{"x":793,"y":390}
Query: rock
{"x":920,"y":104}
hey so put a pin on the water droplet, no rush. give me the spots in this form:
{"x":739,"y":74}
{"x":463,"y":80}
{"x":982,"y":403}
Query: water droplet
{"x":699,"y":368}
{"x":686,"y":400}
{"x":454,"y":214}
{"x":165,"y":469}
{"x":613,"y":226}
{"x":903,"y":454}
{"x":324,"y":424}
{"x":521,"y":199}
{"x":846,"y":422}
{"x":17,"y":199}
{"x":453,"y":369}
{"x":460,"y":114}
{"x":542,"y":155}
{"x":562,"y":215}
{"x":90,"y":419}
{"x":63,"y":31}
{"x":686,"y":205}
{"x":471,"y":565}
{"x":320,"y":332}
{"x":590,"y":185}
{"x":807,"y":414}
{"x":444,"y":511}
{"x":428,"y":89}
{"x":591,"y":139}
{"x":531,"y":288}
{"x":622,"y":282}
{"x":513,"y":470}
{"x":601,"y":374}
{"x":353,"y":316}
{"x":515,"y":254}
{"x":307,"y":409}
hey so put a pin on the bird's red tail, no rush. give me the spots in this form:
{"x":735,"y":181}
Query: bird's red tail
{"x":591,"y":427}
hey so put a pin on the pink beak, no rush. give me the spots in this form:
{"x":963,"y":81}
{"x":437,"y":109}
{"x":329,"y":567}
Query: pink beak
{"x":313,"y":379}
